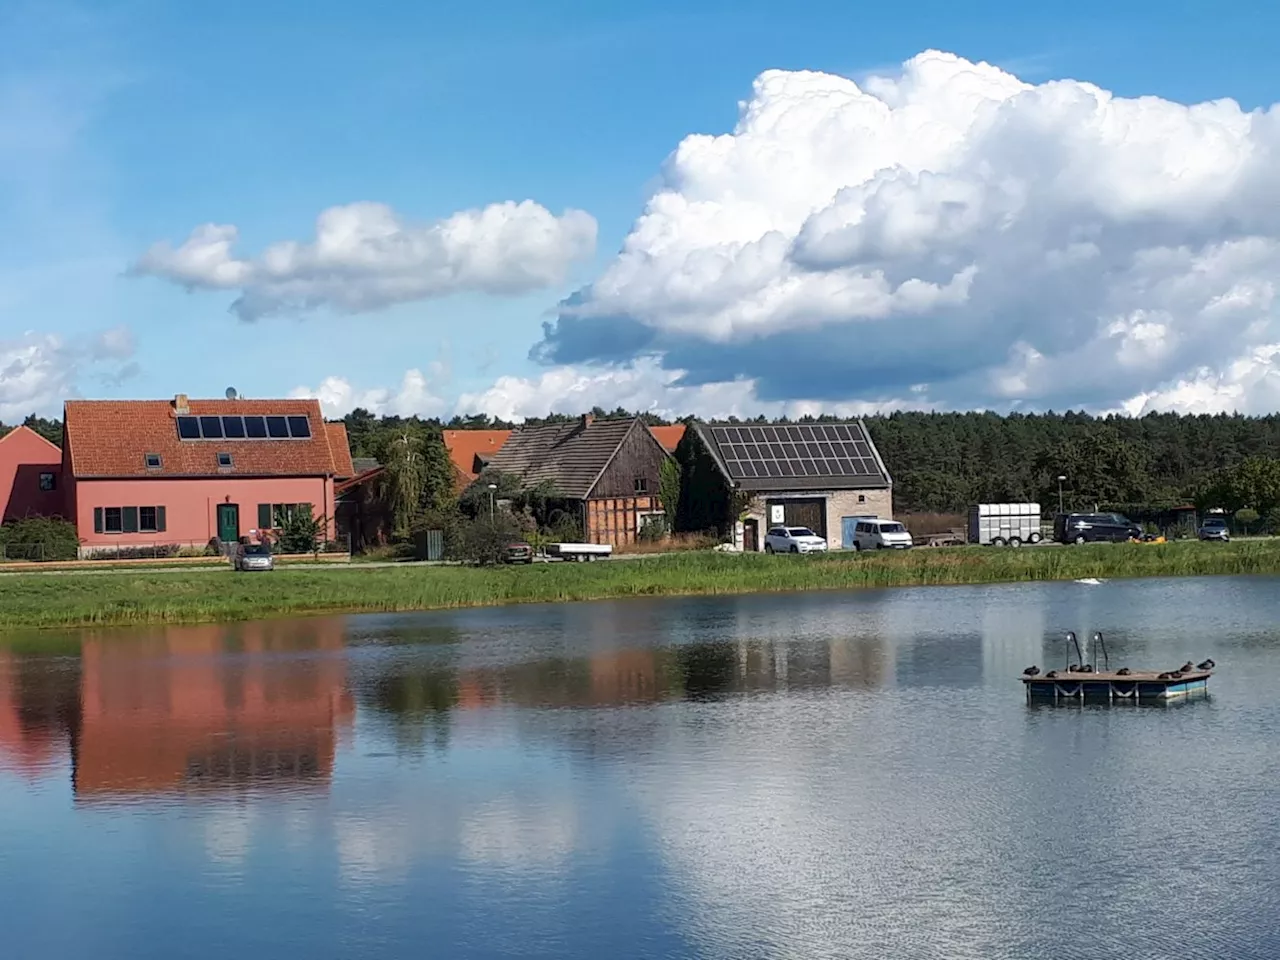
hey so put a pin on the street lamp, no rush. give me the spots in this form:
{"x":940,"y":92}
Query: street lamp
{"x":492,"y":488}
{"x":1060,"y":479}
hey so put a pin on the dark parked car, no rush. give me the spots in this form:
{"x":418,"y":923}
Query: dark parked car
{"x":519,"y":552}
{"x":1094,"y":528}
{"x":1214,"y":528}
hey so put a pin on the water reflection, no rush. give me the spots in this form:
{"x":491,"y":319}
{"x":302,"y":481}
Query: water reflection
{"x":185,"y":709}
{"x":824,"y":775}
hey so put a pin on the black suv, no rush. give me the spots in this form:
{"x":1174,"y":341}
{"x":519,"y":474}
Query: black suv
{"x":1094,"y":527}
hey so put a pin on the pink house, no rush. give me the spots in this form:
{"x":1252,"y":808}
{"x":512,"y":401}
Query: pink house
{"x":30,"y":476}
{"x":142,"y":472}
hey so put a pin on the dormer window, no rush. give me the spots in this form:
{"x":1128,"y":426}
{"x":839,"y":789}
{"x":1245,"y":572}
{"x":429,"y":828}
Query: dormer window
{"x":224,"y":460}
{"x":153,"y":461}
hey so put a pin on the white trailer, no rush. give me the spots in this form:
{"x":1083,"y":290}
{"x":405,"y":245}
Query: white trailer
{"x":579,"y":551}
{"x":1004,"y":524}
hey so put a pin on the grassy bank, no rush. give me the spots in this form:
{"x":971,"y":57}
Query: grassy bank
{"x":194,"y":596}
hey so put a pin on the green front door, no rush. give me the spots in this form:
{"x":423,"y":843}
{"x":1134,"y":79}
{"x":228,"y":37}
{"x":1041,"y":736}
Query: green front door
{"x":228,"y":522}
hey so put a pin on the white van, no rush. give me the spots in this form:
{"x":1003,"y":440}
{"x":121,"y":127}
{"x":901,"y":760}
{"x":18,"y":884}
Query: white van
{"x":872,"y":533}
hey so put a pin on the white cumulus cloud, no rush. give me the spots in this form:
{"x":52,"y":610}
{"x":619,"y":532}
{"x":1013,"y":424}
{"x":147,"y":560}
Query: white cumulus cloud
{"x":366,"y":257}
{"x":645,"y":386}
{"x":415,"y":394}
{"x":1004,"y":243}
{"x":39,"y":371}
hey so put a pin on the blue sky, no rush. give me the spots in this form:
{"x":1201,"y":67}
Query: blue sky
{"x":123,"y":125}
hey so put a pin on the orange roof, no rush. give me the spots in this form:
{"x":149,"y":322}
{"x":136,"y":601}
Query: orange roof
{"x":340,"y":447}
{"x":669,"y":437}
{"x":111,"y":438}
{"x":465,"y":446}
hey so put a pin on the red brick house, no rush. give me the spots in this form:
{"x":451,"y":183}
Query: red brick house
{"x":30,"y":476}
{"x":143,"y":472}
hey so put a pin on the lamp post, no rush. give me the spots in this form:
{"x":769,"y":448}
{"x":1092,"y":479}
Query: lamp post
{"x":1060,"y":479}
{"x":492,"y":514}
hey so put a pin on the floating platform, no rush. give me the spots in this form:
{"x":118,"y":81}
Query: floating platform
{"x":1139,"y":685}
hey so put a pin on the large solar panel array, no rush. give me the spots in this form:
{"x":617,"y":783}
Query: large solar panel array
{"x":795,"y":450}
{"x":244,"y":428}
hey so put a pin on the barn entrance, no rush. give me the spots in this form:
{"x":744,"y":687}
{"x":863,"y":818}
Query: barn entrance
{"x":808,"y":512}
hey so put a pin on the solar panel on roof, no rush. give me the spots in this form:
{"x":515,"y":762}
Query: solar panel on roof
{"x":299,"y":428}
{"x":795,"y":450}
{"x":277,"y":428}
{"x":255,"y":428}
{"x":233,"y":428}
{"x":188,"y":428}
{"x":211,"y":428}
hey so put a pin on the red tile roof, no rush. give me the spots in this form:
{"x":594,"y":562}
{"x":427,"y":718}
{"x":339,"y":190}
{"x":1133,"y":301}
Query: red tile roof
{"x":465,"y":445}
{"x":669,"y":437}
{"x":340,"y":447}
{"x":110,"y":438}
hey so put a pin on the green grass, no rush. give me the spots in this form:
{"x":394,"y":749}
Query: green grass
{"x":200,"y":595}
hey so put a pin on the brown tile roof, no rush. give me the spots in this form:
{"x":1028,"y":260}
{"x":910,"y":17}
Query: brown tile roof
{"x":570,"y":455}
{"x":340,"y":447}
{"x":465,"y":446}
{"x":669,"y":437}
{"x":110,"y":438}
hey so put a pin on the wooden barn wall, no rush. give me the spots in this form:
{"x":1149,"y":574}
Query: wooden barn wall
{"x":639,"y":455}
{"x":616,"y":520}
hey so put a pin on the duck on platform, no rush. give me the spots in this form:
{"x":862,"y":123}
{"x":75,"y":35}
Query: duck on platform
{"x":1123,"y":672}
{"x":1051,"y":674}
{"x":1186,"y":667}
{"x":1031,"y":672}
{"x":1205,"y":665}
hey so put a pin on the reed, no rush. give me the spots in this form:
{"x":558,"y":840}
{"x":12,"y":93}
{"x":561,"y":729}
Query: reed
{"x":202,"y":595}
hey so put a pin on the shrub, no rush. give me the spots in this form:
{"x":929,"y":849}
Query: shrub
{"x":39,"y":538}
{"x":300,"y":532}
{"x":148,"y":551}
{"x":654,"y":529}
{"x":563,"y":528}
{"x":1246,"y":517}
{"x":1271,"y":522}
{"x":485,"y":540}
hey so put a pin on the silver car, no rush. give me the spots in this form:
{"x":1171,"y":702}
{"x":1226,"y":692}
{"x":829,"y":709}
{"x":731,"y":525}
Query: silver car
{"x":253,"y":556}
{"x":1215,"y":528}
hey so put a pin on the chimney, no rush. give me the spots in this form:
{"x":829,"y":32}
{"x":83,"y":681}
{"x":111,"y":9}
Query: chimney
{"x":180,"y":405}
{"x":587,"y":420}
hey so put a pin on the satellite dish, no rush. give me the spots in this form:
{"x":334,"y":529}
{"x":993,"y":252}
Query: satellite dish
{"x":231,"y":393}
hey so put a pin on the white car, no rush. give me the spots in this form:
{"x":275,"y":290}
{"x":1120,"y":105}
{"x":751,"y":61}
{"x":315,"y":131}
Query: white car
{"x":793,"y":540}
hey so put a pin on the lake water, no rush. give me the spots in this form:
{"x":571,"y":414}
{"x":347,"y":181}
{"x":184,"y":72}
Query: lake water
{"x":804,"y":776}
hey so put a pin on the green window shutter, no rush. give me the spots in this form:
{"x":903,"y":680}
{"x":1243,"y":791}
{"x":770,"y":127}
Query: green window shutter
{"x":159,"y":519}
{"x":130,"y":519}
{"x":97,"y":519}
{"x":264,"y":516}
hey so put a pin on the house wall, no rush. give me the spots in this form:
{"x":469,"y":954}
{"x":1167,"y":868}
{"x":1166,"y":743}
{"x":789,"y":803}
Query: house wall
{"x":638,"y":456}
{"x":191,"y":504}
{"x":616,"y":520}
{"x":23,"y":457}
{"x":839,"y":504}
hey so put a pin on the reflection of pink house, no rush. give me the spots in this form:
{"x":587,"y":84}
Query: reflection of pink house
{"x":142,"y":472}
{"x":30,"y":481}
